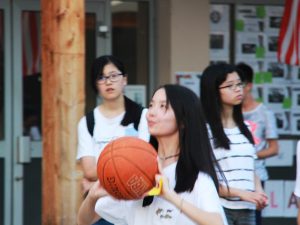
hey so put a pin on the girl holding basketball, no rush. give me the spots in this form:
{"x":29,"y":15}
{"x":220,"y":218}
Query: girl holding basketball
{"x":189,"y":189}
{"x":233,"y":144}
{"x":115,"y":117}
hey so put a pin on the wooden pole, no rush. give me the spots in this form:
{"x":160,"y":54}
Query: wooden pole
{"x":63,"y":67}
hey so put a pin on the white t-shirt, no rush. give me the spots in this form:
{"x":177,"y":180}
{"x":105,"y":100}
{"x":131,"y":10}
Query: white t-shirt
{"x":160,"y":211}
{"x":297,"y":183}
{"x":106,"y":130}
{"x":237,"y":165}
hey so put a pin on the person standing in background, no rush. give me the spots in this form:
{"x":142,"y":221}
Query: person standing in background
{"x":232,"y":142}
{"x":263,"y":126}
{"x":115,"y":117}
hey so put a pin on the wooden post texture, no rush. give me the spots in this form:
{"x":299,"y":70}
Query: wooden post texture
{"x":63,"y":69}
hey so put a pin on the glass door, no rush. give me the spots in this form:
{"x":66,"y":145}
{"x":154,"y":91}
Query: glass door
{"x":26,"y":108}
{"x":26,"y":112}
{"x":5,"y":116}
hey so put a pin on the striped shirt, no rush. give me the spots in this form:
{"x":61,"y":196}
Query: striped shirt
{"x":237,"y":165}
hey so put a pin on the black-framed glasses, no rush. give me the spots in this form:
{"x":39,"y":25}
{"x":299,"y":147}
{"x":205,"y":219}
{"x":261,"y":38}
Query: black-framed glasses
{"x":233,"y":87}
{"x":114,"y":77}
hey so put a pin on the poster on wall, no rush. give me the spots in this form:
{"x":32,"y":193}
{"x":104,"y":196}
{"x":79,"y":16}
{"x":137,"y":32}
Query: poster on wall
{"x":290,"y":201}
{"x":282,"y":121}
{"x":219,"y":45}
{"x":295,"y":74}
{"x":219,"y":32}
{"x":273,"y":18}
{"x":190,"y":80}
{"x":249,"y":46}
{"x":248,"y":20}
{"x":274,"y":190}
{"x":295,"y":122}
{"x":276,"y":96}
{"x":282,"y":201}
{"x":278,"y":71}
{"x":219,"y":17}
{"x":271,"y":45}
{"x":295,"y":97}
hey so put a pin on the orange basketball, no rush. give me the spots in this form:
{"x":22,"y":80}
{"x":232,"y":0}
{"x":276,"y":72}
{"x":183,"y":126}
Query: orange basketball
{"x":126,"y":167}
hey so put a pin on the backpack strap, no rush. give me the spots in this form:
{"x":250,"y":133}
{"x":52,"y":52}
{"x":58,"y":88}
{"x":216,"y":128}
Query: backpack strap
{"x":133,"y":113}
{"x":90,"y":122}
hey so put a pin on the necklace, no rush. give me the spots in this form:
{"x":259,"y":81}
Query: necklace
{"x":168,"y":157}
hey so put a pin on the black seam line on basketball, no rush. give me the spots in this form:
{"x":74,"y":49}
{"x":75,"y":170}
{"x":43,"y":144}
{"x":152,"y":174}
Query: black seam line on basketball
{"x":142,"y":149}
{"x":104,"y":165}
{"x":114,"y":165}
{"x":135,"y":165}
{"x":110,"y":158}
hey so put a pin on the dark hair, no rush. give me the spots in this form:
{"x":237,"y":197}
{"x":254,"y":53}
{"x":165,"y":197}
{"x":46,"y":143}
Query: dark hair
{"x":195,"y":151}
{"x":212,"y":77}
{"x":245,"y":72}
{"x":99,"y":64}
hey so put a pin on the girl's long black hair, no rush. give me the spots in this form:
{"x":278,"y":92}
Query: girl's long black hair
{"x":212,"y":77}
{"x":196,"y":154}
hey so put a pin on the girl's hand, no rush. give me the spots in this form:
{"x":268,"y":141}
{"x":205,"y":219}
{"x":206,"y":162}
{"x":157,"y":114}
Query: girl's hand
{"x":97,"y":191}
{"x":263,"y":200}
{"x":86,"y":185}
{"x":166,"y":192}
{"x":165,"y":189}
{"x":260,"y":199}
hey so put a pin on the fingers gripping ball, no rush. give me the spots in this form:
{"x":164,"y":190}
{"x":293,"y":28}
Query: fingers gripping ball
{"x":126,"y":167}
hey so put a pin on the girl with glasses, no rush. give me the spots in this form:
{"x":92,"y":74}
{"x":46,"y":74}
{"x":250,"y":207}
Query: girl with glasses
{"x":115,"y":117}
{"x":232,"y":143}
{"x":189,"y":189}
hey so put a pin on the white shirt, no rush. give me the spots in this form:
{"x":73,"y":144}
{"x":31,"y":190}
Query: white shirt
{"x":106,"y":130}
{"x":161,"y":212}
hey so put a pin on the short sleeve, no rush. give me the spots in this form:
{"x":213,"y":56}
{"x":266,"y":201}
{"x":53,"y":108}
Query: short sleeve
{"x":112,"y":210}
{"x":207,"y":196}
{"x":85,"y":145}
{"x":143,"y":131}
{"x":271,"y":127}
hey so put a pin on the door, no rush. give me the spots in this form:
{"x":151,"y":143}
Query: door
{"x":20,"y":103}
{"x":5,"y":116}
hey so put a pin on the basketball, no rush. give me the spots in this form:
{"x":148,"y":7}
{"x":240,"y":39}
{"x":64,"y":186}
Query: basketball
{"x":126,"y":168}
